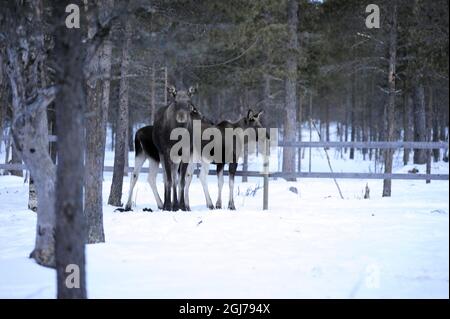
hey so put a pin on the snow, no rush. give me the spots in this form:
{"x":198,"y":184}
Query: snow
{"x":307,"y":245}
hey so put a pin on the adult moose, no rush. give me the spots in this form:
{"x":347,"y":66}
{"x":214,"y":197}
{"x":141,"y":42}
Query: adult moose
{"x":145,"y":149}
{"x":177,"y":114}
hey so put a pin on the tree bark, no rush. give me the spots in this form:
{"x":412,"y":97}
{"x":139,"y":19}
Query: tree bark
{"x":22,"y":27}
{"x":290,"y":120}
{"x":407,"y":125}
{"x":299,"y":129}
{"x":389,"y":153}
{"x":122,"y":123}
{"x":435,"y":133}
{"x":16,"y":158}
{"x":97,"y":107}
{"x":420,"y":131}
{"x":70,"y":106}
{"x":429,"y":120}
{"x":352,"y":116}
{"x":153,"y":94}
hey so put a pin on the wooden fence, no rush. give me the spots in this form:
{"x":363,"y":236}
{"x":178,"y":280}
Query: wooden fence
{"x":321,"y":144}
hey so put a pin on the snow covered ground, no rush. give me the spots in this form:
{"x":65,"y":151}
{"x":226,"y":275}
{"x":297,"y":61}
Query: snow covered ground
{"x":307,"y":245}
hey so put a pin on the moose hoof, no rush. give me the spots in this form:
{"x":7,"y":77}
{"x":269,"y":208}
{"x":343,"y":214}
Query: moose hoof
{"x":121,"y":210}
{"x":167,"y":207}
{"x":147,"y":209}
{"x":231,"y":207}
{"x":219,"y":206}
{"x":186,"y":209}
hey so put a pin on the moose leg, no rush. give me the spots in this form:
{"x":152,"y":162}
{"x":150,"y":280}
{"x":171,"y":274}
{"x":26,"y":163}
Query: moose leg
{"x":231,"y":171}
{"x":220,"y":185}
{"x":203,"y":174}
{"x":175,"y":176}
{"x":189,"y":174}
{"x":152,"y":173}
{"x":184,"y":167}
{"x":167,"y":184}
{"x":138,"y":163}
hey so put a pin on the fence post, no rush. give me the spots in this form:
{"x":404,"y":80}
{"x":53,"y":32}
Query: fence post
{"x":266,"y":175}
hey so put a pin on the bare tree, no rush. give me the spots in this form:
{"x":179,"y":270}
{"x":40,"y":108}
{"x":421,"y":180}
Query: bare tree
{"x":22,"y":28}
{"x":70,"y":105}
{"x":290,"y":120}
{"x":122,"y":123}
{"x":97,"y":106}
{"x":389,"y":153}
{"x":420,"y":129}
{"x":407,"y":125}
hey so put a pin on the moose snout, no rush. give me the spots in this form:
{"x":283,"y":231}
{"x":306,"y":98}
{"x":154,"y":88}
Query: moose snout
{"x":181,"y":117}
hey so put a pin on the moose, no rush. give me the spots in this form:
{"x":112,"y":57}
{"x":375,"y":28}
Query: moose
{"x":232,"y":149}
{"x":155,"y":144}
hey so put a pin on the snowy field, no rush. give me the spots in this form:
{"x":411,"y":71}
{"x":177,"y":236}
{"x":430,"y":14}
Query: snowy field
{"x":307,"y":245}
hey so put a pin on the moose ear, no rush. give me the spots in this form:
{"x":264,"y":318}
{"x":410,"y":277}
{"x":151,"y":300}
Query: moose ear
{"x":258,"y":115}
{"x":192,"y":90}
{"x":250,"y":114}
{"x":172,"y":90}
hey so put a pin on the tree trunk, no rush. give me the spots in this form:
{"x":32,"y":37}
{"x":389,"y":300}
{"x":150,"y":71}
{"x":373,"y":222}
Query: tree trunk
{"x":365,"y":108}
{"x":98,"y":92}
{"x":327,"y":122}
{"x":22,"y":24}
{"x":32,"y":195}
{"x":153,"y":93}
{"x":127,"y":149}
{"x":16,"y":159}
{"x":347,"y":115}
{"x":115,"y":195}
{"x":352,"y":116}
{"x":290,"y":120}
{"x":435,"y":134}
{"x":420,"y":131}
{"x":389,"y":153}
{"x":130,"y":135}
{"x":70,"y":106}
{"x":429,"y":120}
{"x":299,"y":129}
{"x":2,"y":100}
{"x":407,"y":125}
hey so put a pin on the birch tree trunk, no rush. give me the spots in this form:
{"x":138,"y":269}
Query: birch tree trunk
{"x":16,"y":158}
{"x":70,"y":106}
{"x":390,"y":116}
{"x":122,"y":123}
{"x":290,"y":119}
{"x":22,"y":28}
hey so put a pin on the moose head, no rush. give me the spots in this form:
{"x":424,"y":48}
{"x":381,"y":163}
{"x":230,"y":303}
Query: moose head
{"x":181,"y":102}
{"x":253,"y":120}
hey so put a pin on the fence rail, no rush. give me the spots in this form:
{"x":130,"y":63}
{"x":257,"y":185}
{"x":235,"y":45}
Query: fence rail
{"x":377,"y":145}
{"x":323,"y":144}
{"x":338,"y":175}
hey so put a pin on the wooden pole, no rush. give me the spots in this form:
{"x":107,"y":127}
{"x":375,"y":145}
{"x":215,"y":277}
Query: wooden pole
{"x":266,"y":175}
{"x":310,"y":128}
